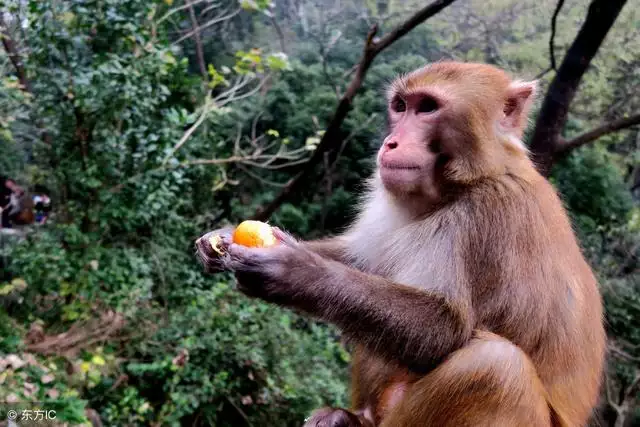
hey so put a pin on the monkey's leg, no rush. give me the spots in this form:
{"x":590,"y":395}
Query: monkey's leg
{"x":488,"y":383}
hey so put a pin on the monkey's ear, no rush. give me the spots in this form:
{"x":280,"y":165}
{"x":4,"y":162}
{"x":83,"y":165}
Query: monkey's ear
{"x":520,"y":96}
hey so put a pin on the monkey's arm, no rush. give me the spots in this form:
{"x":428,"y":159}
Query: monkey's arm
{"x":415,"y":326}
{"x":333,"y":248}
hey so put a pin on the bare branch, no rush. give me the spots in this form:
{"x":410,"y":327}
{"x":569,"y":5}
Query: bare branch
{"x":197,"y":40}
{"x":565,"y":146}
{"x":609,"y":392}
{"x":177,"y":9}
{"x":332,"y":138}
{"x":278,"y":29}
{"x":220,"y":18}
{"x":246,"y":94}
{"x":257,"y":157}
{"x":543,"y":73}
{"x":209,"y":9}
{"x":259,"y":178}
{"x":205,"y":110}
{"x":421,"y":16}
{"x":552,"y":56}
{"x":621,"y":353}
{"x":632,"y":387}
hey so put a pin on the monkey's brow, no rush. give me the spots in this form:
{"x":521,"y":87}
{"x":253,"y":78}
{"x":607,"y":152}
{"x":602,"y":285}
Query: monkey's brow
{"x":406,"y":92}
{"x":397,"y":88}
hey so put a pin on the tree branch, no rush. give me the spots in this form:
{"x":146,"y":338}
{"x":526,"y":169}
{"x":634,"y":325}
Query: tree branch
{"x":276,"y":26}
{"x":331,"y":138}
{"x":177,"y":9}
{"x":609,"y":393}
{"x":16,"y":60}
{"x":632,"y":387}
{"x":564,"y":146}
{"x":14,"y":55}
{"x":206,"y":25}
{"x":621,"y":353}
{"x":197,"y":40}
{"x":552,"y":56}
{"x":555,"y":106}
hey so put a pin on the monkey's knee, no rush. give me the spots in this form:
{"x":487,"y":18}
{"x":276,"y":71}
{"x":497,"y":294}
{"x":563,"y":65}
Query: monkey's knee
{"x":489,"y":382}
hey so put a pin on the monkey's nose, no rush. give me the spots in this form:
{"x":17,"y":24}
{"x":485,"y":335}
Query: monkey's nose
{"x":391,"y":145}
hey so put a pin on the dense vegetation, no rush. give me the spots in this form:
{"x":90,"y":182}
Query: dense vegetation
{"x":151,"y":122}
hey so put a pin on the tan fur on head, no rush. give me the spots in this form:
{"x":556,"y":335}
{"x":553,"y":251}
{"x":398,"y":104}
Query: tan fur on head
{"x":487,"y":113}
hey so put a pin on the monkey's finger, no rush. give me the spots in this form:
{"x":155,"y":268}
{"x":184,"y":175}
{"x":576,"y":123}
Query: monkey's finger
{"x":284,"y":237}
{"x":242,"y":258}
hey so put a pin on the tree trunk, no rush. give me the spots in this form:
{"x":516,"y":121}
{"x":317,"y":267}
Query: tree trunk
{"x":555,"y":106}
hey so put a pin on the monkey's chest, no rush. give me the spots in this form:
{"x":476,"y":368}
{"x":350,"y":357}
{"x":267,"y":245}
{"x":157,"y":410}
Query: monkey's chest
{"x":412,"y":259}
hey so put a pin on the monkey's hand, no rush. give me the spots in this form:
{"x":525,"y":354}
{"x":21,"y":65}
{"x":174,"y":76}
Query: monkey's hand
{"x":332,"y":417}
{"x":212,"y":248}
{"x":276,"y":273}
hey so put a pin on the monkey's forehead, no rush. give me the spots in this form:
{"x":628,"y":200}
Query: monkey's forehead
{"x":450,"y":74}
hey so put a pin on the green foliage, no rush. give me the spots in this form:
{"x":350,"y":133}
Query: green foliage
{"x":223,"y":350}
{"x":592,"y":185}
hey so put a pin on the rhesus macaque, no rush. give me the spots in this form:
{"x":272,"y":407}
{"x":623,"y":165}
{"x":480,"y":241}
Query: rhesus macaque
{"x":460,"y":283}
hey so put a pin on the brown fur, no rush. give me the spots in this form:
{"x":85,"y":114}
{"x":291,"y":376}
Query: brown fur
{"x":461,"y":282}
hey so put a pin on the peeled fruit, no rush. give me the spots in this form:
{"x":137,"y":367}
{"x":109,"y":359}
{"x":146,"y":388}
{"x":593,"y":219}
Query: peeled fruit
{"x":255,"y":234}
{"x":215,"y":241}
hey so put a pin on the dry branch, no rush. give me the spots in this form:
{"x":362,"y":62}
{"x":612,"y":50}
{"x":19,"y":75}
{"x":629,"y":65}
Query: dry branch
{"x":223,"y":16}
{"x":554,"y":19}
{"x":564,"y":146}
{"x":331,"y":138}
{"x":79,"y":336}
{"x":197,"y":40}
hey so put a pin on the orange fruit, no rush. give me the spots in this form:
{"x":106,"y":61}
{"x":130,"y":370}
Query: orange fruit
{"x":254,"y":234}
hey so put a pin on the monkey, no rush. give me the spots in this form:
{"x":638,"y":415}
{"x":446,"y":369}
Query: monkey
{"x":460,"y":282}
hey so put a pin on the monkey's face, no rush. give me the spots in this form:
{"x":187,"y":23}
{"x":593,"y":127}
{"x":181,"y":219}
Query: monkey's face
{"x":451,"y":123}
{"x":411,"y":158}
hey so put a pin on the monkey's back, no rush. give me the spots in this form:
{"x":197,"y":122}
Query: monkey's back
{"x":533,"y":286}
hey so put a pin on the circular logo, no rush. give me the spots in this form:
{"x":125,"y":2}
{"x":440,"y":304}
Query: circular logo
{"x":12,"y":415}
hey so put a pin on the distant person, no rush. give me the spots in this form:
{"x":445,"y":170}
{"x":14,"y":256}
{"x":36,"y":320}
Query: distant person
{"x":9,"y":193}
{"x":41,"y":204}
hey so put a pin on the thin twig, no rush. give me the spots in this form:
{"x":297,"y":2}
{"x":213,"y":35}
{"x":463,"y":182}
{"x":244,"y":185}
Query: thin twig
{"x":205,"y":110}
{"x":259,"y":178}
{"x":552,"y":56}
{"x":209,"y":9}
{"x":240,"y":411}
{"x":543,"y":73}
{"x":175,"y":10}
{"x":197,"y":40}
{"x":609,"y":393}
{"x":214,"y":21}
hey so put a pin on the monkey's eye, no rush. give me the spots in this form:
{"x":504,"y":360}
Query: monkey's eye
{"x":427,"y":105}
{"x":398,"y":105}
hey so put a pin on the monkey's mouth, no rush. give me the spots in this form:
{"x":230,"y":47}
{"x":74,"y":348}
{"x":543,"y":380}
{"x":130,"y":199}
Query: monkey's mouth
{"x":399,"y":166}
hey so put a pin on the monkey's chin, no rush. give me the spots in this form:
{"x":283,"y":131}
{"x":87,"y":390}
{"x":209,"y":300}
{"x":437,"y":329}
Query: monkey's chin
{"x":399,"y":181}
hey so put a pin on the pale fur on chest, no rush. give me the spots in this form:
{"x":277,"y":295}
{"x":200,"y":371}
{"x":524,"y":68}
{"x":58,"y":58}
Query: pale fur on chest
{"x":386,"y":241}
